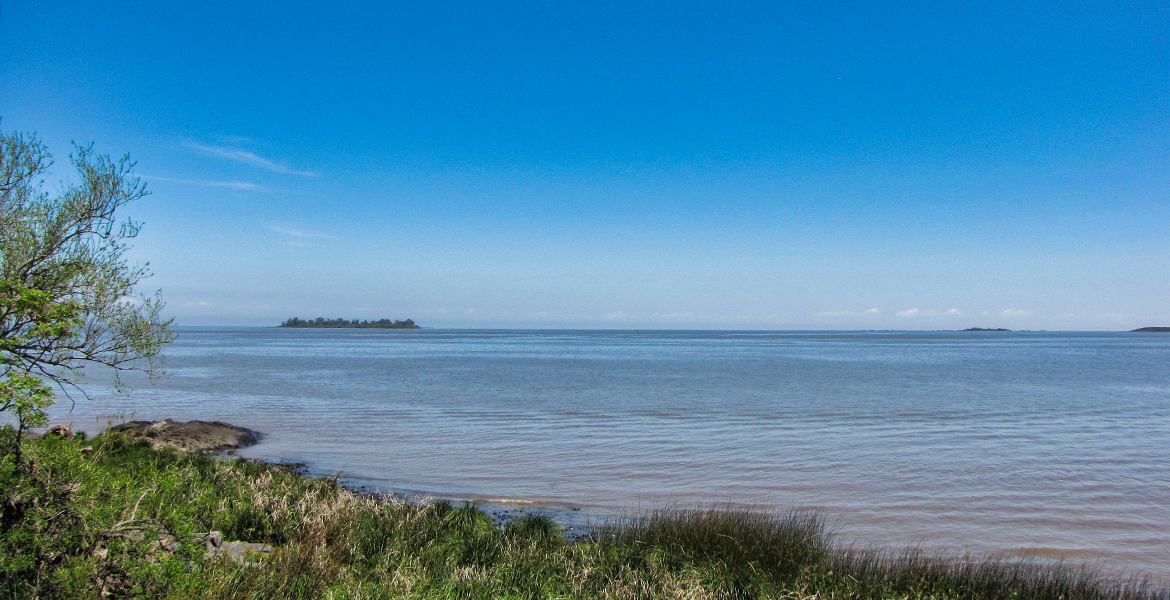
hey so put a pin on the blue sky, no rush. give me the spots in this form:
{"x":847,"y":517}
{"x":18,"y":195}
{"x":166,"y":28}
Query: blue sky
{"x":625,"y":165}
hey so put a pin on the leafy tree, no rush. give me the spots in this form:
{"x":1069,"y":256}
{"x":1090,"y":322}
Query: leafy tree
{"x":67,"y":294}
{"x":339,"y":323}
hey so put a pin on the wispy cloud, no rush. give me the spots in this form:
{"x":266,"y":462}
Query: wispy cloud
{"x":849,"y":313}
{"x":675,"y":316}
{"x":246,"y":157}
{"x":235,"y":185}
{"x":234,"y":139}
{"x":953,"y":312}
{"x":909,"y":313}
{"x":1015,"y":312}
{"x":298,"y":233}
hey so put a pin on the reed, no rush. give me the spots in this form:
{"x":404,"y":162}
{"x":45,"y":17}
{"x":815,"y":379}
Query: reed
{"x":742,"y":553}
{"x":881,"y":573}
{"x":87,"y":521}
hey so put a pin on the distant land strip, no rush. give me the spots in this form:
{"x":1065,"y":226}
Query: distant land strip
{"x":323,"y":323}
{"x":1152,"y":330}
{"x":985,"y":329}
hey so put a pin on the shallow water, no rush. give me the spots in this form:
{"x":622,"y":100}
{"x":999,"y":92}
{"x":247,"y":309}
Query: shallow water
{"x":1052,"y":444}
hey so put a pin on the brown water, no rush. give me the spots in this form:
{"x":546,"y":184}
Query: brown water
{"x":1054,"y":445}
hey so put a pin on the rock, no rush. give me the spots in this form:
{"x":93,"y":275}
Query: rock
{"x":60,"y":431}
{"x":191,"y":436}
{"x":212,"y":540}
{"x":168,"y":542}
{"x":237,"y":551}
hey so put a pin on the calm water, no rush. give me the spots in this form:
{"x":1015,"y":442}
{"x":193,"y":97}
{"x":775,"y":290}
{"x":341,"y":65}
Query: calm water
{"x":1055,"y":444}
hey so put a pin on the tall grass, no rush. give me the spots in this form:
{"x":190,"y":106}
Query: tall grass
{"x":329,"y":542}
{"x":878,"y":573}
{"x":738,"y":553}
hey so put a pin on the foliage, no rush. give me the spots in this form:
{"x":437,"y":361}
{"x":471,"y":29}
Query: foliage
{"x":68,"y":540}
{"x":323,"y":323}
{"x":28,"y":397}
{"x":67,"y":295}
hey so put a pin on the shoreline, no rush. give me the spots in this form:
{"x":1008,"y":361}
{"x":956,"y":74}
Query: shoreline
{"x":579,"y":520}
{"x":279,"y":512}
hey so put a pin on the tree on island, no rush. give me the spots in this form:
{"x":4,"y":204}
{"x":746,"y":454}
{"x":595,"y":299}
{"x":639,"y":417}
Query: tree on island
{"x":67,"y":295}
{"x":323,"y":323}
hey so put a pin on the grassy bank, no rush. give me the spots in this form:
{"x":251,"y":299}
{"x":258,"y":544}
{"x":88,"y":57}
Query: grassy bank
{"x":105,"y":517}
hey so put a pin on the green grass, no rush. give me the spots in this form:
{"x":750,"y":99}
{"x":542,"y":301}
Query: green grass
{"x":82,"y":523}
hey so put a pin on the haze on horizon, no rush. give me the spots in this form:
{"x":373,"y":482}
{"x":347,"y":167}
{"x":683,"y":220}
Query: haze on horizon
{"x":742,"y":165}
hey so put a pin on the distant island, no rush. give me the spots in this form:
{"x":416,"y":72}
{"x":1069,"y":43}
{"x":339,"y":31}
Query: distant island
{"x":985,"y":329}
{"x":323,"y":323}
{"x":1151,"y":330}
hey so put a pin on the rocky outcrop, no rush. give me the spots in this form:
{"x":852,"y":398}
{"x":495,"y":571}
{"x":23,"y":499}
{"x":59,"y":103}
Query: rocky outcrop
{"x":212,"y":542}
{"x":236,"y":551}
{"x":191,"y":436}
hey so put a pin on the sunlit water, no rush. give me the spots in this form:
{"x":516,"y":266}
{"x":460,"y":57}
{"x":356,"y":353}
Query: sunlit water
{"x":1054,"y":444}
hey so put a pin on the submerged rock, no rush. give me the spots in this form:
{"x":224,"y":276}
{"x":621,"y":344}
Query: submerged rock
{"x":191,"y":436}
